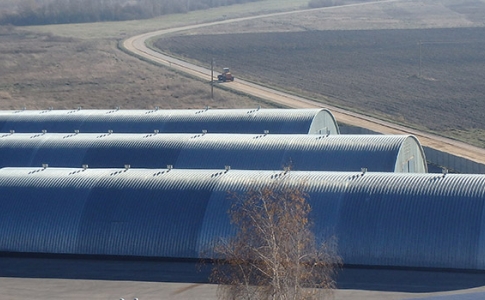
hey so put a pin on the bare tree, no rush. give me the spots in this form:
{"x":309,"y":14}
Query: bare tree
{"x":274,"y":254}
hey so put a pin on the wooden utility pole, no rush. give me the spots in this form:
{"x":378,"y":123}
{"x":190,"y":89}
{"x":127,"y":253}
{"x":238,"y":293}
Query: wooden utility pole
{"x":212,"y":79}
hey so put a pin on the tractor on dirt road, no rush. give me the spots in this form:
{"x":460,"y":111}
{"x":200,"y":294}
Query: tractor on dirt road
{"x":225,"y":76}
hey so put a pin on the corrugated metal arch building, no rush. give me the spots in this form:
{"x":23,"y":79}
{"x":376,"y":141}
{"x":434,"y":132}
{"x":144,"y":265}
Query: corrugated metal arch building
{"x":380,"y":219}
{"x":278,"y":121}
{"x":377,"y":153}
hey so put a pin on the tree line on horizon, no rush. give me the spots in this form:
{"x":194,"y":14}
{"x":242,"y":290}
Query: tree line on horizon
{"x":43,"y":12}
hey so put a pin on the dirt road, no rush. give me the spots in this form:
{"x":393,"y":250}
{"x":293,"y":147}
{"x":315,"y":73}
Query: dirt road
{"x":137,"y":46}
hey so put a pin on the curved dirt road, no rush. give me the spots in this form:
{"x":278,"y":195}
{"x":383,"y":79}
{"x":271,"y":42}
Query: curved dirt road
{"x":137,"y":46}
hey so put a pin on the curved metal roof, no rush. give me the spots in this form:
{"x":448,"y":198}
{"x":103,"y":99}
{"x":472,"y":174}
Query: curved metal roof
{"x":379,"y":219}
{"x":377,"y":153}
{"x":304,"y":121}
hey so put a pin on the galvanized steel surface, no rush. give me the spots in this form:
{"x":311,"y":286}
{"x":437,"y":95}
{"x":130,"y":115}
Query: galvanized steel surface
{"x":379,"y":219}
{"x":304,"y":121}
{"x":377,"y":153}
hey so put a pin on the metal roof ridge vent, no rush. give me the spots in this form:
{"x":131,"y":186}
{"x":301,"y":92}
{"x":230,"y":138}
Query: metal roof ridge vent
{"x":226,"y":169}
{"x":444,"y":173}
{"x":76,"y":132}
{"x":265,"y":133}
{"x":204,"y":132}
{"x":362,"y":172}
{"x":202,"y":110}
{"x":279,"y":175}
{"x":117,"y":108}
{"x":127,"y":167}
{"x":46,"y":110}
{"x":75,"y":110}
{"x":254,"y":110}
{"x":169,"y":168}
{"x":152,"y":110}
{"x":444,"y":170}
{"x":8,"y":134}
{"x":40,"y":134}
{"x":44,"y":167}
{"x":155,"y":132}
{"x":327,"y":133}
{"x":79,"y":171}
{"x":106,"y":134}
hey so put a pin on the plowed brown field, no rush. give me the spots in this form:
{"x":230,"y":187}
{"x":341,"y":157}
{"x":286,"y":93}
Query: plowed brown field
{"x":430,"y":79}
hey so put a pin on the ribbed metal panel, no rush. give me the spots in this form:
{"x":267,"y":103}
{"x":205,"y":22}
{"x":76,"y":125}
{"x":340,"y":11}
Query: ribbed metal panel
{"x":277,"y":121}
{"x":379,"y":219}
{"x":378,"y":153}
{"x":103,"y":215}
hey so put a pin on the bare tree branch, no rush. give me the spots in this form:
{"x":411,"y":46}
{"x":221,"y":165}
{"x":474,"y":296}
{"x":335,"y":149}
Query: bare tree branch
{"x":274,"y":254}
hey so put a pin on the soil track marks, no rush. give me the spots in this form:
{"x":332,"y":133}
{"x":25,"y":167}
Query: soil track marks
{"x":423,"y":78}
